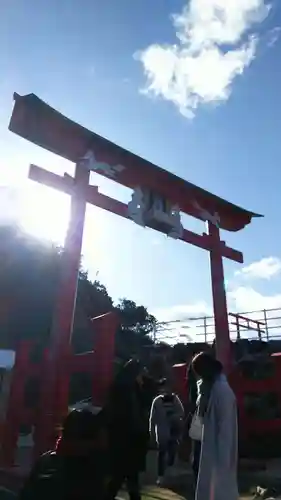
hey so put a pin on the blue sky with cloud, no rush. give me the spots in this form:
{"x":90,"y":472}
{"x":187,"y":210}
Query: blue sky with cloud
{"x":192,"y":86}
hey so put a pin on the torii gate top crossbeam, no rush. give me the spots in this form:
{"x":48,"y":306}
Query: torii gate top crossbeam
{"x":39,"y":123}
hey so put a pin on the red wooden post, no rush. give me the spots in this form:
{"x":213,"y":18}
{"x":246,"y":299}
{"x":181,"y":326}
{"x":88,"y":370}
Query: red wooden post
{"x":104,"y":350}
{"x":10,"y":431}
{"x":223,"y":344}
{"x":238,"y":336}
{"x":57,"y":374}
{"x":42,"y":412}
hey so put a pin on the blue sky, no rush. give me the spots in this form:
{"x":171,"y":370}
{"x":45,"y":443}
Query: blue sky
{"x":214,"y":120}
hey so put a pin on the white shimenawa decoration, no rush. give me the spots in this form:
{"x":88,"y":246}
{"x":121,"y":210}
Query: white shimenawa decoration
{"x":140,"y":211}
{"x":90,"y":162}
{"x":207,"y":216}
{"x":137,"y":207}
{"x":177,"y":230}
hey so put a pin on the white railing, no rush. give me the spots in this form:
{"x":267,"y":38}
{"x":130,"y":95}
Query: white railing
{"x":263,"y":325}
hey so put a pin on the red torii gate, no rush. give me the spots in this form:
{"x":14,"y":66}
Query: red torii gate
{"x":157,"y":201}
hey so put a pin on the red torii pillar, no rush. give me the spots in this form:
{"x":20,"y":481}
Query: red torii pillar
{"x":57,"y":374}
{"x":10,"y":426}
{"x":223,"y":343}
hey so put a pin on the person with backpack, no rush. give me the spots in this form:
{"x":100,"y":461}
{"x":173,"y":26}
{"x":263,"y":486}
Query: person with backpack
{"x":76,"y":468}
{"x":166,"y":426}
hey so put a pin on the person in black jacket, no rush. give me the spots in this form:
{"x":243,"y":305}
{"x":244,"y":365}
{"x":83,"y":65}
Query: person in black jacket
{"x":127,"y":425}
{"x":76,"y":469}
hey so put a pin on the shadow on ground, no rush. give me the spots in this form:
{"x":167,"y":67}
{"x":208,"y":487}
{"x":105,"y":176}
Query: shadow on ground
{"x":179,"y":486}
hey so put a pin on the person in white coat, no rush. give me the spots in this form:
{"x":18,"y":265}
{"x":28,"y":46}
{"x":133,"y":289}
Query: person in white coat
{"x":166,"y":425}
{"x":216,"y":407}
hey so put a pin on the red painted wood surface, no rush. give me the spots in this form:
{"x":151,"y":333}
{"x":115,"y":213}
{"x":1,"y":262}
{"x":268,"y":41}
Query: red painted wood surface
{"x":243,"y":386}
{"x":98,"y":364}
{"x":38,"y":122}
{"x":223,"y":344}
{"x":10,"y":428}
{"x":180,"y":381}
{"x":91,"y":194}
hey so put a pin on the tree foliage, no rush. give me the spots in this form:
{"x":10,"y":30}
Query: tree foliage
{"x":29,"y":284}
{"x":135,"y":318}
{"x":132,"y":337}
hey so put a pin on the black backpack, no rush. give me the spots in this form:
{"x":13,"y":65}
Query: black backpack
{"x":46,"y":480}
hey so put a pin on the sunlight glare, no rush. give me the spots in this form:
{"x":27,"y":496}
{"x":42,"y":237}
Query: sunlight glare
{"x":44,"y":212}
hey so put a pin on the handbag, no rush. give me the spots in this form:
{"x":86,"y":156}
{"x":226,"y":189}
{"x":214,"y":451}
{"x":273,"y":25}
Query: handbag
{"x":196,"y":428}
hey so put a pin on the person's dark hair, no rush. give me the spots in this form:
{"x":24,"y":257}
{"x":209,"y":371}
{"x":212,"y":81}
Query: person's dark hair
{"x":191,"y":386}
{"x":81,"y":425}
{"x":129,"y":373}
{"x":206,"y":366}
{"x":124,"y":383}
{"x":149,"y":390}
{"x":163,"y":382}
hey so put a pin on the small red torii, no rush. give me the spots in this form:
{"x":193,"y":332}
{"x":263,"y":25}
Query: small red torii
{"x":157,"y":200}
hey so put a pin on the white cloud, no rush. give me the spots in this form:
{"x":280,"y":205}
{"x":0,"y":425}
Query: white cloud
{"x":242,"y":299}
{"x":182,"y":312}
{"x":182,"y":323}
{"x":264,"y":269}
{"x":274,"y":35}
{"x":186,"y":322}
{"x":215,"y":44}
{"x":249,"y":299}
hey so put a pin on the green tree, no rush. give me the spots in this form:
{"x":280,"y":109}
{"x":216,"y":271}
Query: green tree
{"x":136,"y":318}
{"x":92,"y":300}
{"x":133,"y":337}
{"x":29,"y":273}
{"x":29,"y":285}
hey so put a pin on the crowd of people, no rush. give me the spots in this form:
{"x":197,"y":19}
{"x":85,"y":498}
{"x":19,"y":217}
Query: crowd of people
{"x":97,"y":454}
